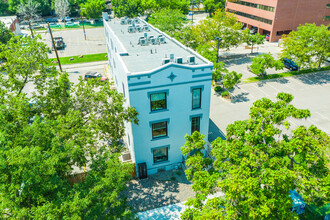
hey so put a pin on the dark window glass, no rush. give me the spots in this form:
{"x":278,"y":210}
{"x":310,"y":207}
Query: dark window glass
{"x":159,"y":129}
{"x":158,"y":101}
{"x":195,"y":124}
{"x":196,"y":98}
{"x":160,"y":155}
{"x":264,"y":20}
{"x":254,"y":5}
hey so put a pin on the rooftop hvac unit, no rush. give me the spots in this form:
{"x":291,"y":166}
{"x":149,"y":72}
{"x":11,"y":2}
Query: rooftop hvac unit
{"x":146,"y":27}
{"x":191,"y":60}
{"x":143,"y":41}
{"x":139,"y":28}
{"x":122,"y":21}
{"x":179,"y":60}
{"x":166,"y":61}
{"x":131,"y":29}
{"x":172,"y":57}
{"x":137,"y":21}
{"x":153,"y":41}
{"x":161,"y":39}
{"x":129,"y":21}
{"x":126,"y":157}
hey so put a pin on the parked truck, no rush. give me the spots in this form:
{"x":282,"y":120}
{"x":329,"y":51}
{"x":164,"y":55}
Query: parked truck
{"x":59,"y":43}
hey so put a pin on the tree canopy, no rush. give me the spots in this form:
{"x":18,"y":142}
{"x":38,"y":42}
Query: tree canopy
{"x":253,"y":39}
{"x":5,"y":33}
{"x":93,"y":8}
{"x":309,"y":46}
{"x":265,"y":61}
{"x":49,"y":127}
{"x":168,"y":20}
{"x":261,"y":159}
{"x":211,"y":6}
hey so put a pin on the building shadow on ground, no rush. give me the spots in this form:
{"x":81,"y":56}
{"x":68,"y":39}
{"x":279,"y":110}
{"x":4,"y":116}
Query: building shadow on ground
{"x":158,"y":190}
{"x":215,"y":132}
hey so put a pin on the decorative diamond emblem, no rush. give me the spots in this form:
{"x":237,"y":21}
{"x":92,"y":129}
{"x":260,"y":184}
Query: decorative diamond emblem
{"x":171,"y":77}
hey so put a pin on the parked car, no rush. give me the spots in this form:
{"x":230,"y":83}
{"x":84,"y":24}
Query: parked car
{"x":93,"y":75}
{"x":289,"y":64}
{"x":51,"y":20}
{"x":267,"y":37}
{"x":67,"y":19}
{"x":59,"y":43}
{"x":254,"y":30}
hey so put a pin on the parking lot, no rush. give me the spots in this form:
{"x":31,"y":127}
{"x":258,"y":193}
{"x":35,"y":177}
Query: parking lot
{"x":75,"y":43}
{"x":310,"y":91}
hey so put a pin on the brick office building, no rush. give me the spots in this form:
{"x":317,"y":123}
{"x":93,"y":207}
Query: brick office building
{"x":278,"y":17}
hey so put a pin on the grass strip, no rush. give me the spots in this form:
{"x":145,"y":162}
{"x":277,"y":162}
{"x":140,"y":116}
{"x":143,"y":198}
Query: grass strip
{"x":85,"y":59}
{"x":286,"y":74}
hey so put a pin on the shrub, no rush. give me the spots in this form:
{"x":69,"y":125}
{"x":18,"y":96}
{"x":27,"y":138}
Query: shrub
{"x":224,"y":94}
{"x":218,"y":89}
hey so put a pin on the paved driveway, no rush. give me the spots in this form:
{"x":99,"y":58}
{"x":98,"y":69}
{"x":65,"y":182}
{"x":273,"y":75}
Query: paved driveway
{"x":311,"y":91}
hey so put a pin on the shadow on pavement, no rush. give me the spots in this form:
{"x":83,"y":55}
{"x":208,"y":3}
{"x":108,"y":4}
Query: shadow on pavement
{"x":278,"y":80}
{"x":215,"y":132}
{"x":239,"y":98}
{"x":315,"y":78}
{"x":158,"y":190}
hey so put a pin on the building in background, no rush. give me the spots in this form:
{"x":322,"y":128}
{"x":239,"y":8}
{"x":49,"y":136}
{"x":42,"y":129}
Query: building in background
{"x":167,"y":83}
{"x":278,"y":17}
{"x":11,"y":22}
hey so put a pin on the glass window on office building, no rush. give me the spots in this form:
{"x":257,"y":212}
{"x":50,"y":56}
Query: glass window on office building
{"x":196,"y":98}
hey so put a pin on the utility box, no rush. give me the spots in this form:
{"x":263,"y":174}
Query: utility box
{"x":142,"y":168}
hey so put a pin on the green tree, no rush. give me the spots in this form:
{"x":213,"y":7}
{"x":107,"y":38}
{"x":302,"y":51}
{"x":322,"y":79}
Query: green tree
{"x":182,"y":5}
{"x":129,"y":8}
{"x":43,"y":8}
{"x":5,"y":33}
{"x":308,"y":47}
{"x":261,"y":159}
{"x":93,"y":8}
{"x":211,"y":6}
{"x":253,"y":39}
{"x":168,"y":20}
{"x":49,"y":132}
{"x":265,"y":61}
{"x":231,"y":79}
{"x":4,"y":8}
{"x":202,"y":37}
{"x":29,"y":9}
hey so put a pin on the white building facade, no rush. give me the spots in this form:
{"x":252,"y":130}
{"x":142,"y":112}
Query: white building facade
{"x":167,"y":83}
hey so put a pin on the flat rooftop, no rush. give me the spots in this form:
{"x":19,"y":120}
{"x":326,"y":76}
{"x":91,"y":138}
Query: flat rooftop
{"x":148,"y":57}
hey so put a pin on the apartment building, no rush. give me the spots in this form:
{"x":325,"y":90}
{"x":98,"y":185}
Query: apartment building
{"x":278,"y":17}
{"x":167,"y":83}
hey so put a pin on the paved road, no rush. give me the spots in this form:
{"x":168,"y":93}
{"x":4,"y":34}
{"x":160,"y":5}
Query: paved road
{"x":76,"y":43}
{"x":311,"y":91}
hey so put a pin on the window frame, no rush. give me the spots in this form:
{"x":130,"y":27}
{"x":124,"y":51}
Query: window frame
{"x":157,"y":149}
{"x":150,"y":94}
{"x":199,"y":124}
{"x":152,"y":129}
{"x":200,"y":97}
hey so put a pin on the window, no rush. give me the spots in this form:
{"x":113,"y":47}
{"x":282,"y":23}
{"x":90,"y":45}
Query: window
{"x":159,"y":129}
{"x":158,"y":101}
{"x":249,"y":4}
{"x":196,"y":98}
{"x":160,"y":154}
{"x":264,"y":20}
{"x":195,"y":124}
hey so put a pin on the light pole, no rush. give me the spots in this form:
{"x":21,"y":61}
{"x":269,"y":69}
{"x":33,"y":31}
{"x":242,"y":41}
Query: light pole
{"x":219,"y":40}
{"x":82,"y":20}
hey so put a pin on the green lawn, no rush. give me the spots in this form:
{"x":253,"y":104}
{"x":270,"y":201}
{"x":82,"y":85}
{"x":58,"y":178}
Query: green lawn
{"x":85,"y":59}
{"x":286,"y":74}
